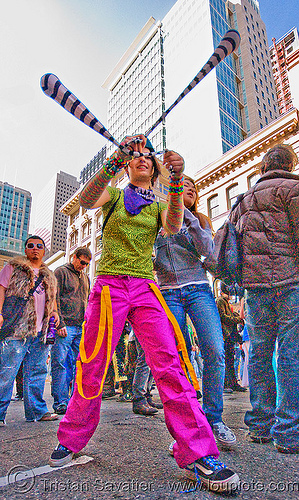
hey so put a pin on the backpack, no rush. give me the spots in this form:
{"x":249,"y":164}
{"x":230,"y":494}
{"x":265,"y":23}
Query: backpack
{"x":226,"y":261}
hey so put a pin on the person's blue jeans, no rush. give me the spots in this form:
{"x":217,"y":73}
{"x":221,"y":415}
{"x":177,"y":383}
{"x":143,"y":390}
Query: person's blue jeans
{"x":59,"y":354}
{"x":274,"y":314}
{"x":198,"y":302}
{"x":143,"y":378}
{"x":34,"y":354}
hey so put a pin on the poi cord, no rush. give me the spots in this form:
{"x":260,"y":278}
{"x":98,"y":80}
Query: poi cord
{"x":181,"y":345}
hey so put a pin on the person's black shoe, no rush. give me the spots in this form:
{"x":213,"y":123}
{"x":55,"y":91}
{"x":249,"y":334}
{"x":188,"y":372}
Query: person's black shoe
{"x":60,"y":456}
{"x":152,"y":403}
{"x":61,"y":409}
{"x":126,"y":397}
{"x":286,"y":449}
{"x":108,"y":394}
{"x":198,"y":395}
{"x":214,"y":474}
{"x":238,"y":388}
{"x":258,"y":438}
{"x":17,"y":397}
{"x":227,"y":390}
{"x":142,"y":408}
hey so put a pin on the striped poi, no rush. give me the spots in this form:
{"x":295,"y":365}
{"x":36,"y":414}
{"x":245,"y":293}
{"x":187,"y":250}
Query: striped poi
{"x":229,"y":43}
{"x":52,"y":87}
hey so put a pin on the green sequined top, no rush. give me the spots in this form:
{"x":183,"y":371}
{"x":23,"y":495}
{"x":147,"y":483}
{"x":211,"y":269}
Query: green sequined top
{"x":128,"y":240}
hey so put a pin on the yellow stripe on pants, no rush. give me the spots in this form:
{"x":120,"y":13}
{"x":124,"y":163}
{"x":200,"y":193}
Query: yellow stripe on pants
{"x":106,"y":318}
{"x":181,"y":345}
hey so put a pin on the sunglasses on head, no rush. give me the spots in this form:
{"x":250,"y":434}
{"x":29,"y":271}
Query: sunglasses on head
{"x":40,"y":246}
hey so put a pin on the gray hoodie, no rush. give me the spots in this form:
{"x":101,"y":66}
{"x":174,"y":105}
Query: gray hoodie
{"x":178,"y":257}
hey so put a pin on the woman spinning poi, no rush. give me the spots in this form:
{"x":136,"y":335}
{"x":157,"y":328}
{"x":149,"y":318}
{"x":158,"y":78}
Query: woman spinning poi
{"x":125,"y":288}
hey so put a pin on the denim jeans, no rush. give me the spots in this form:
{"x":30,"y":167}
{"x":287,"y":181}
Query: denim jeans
{"x":273,"y":314}
{"x":198,"y":302}
{"x":142,"y":381}
{"x":59,"y":372}
{"x":34,"y":354}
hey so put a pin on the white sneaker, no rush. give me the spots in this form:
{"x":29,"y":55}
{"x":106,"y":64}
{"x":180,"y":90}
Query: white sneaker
{"x":170,"y":448}
{"x":2,"y":423}
{"x":224,"y":435}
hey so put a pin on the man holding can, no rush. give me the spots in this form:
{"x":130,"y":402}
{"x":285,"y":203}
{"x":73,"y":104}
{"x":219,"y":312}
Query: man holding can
{"x":30,"y":278}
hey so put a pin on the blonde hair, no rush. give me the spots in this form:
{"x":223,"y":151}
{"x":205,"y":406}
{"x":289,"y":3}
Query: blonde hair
{"x":203,"y":219}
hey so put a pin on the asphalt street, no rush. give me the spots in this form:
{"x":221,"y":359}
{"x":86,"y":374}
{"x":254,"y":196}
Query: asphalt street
{"x":127,"y":457}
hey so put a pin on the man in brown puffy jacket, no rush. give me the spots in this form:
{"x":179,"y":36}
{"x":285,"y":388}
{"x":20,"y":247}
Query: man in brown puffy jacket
{"x":268,"y":220}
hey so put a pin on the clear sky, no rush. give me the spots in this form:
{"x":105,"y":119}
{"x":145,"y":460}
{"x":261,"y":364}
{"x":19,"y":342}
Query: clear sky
{"x":80,"y":41}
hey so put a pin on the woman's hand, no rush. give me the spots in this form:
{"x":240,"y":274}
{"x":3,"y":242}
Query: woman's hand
{"x":130,"y":142}
{"x":174,"y":163}
{"x":62,"y":332}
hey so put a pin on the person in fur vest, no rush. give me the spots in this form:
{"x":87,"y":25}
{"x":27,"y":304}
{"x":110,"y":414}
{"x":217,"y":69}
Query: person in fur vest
{"x":28,"y":342}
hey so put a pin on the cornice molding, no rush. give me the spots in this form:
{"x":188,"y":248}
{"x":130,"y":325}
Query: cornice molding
{"x":282,"y":128}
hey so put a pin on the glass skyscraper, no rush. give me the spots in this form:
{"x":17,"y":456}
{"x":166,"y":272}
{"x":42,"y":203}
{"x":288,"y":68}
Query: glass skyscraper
{"x":226,"y":74}
{"x":232,"y":102}
{"x":15,"y":206}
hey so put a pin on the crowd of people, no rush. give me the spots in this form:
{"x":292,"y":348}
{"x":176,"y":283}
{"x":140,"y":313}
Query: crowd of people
{"x":160,"y":317}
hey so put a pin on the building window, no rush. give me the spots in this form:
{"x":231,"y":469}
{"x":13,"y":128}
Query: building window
{"x":252,"y":179}
{"x":86,"y":229}
{"x":213,"y":206}
{"x":99,"y":220}
{"x":98,"y":244}
{"x":74,"y":217}
{"x":231,"y":195}
{"x":74,"y":238}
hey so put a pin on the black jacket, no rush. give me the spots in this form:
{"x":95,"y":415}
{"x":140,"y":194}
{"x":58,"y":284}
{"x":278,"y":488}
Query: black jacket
{"x":72,"y":295}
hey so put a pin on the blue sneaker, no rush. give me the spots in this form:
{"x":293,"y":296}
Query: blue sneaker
{"x":214,"y":474}
{"x":60,"y":456}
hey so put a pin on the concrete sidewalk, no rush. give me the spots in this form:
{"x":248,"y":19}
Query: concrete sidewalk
{"x":129,"y":459}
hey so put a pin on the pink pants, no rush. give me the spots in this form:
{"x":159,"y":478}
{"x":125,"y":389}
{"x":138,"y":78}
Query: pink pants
{"x":132,"y":298}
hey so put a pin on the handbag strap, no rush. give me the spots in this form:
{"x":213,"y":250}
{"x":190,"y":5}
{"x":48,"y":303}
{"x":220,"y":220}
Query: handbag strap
{"x":33,"y":289}
{"x":109,"y":214}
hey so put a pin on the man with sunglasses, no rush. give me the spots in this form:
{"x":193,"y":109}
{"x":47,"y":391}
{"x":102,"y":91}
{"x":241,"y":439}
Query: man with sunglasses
{"x":27,"y":343}
{"x":72,"y":296}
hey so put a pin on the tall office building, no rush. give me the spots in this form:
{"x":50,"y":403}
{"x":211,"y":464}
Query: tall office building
{"x":284,"y":58}
{"x":257,"y":88}
{"x":50,"y":223}
{"x":93,"y":166}
{"x":232,"y":102}
{"x":15,"y":206}
{"x":208,"y":121}
{"x":136,"y":87}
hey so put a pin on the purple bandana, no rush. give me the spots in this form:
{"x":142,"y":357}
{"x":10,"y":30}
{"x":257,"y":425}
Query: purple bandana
{"x":136,"y":197}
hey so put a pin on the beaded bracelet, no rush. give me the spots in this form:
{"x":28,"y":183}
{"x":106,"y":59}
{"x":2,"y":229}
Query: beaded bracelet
{"x":112,"y":166}
{"x":176,"y":186}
